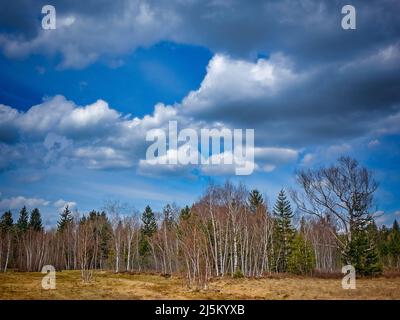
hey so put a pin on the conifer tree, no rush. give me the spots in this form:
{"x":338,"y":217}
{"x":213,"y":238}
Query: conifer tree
{"x":255,"y":200}
{"x":301,"y":259}
{"x":185,"y":213}
{"x":22,"y":223}
{"x":168,"y":213}
{"x":284,"y":230}
{"x":35,"y":222}
{"x":394,"y":244}
{"x":363,"y":254}
{"x":6,"y":221}
{"x":149,"y":227}
{"x":65,"y":219}
{"x":362,"y":251}
{"x":6,"y":235}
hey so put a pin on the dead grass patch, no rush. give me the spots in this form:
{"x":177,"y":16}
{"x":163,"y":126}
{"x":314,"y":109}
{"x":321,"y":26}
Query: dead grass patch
{"x":108,"y":285}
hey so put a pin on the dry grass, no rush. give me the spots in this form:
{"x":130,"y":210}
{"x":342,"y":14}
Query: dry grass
{"x":107,"y":285}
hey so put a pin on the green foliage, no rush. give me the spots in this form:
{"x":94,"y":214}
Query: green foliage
{"x":362,"y":251}
{"x":35,"y":222}
{"x":185,"y":213}
{"x":283,"y":232}
{"x":238,"y":274}
{"x":66,"y":219}
{"x":168,"y":213}
{"x":22,"y":223}
{"x":255,"y":200}
{"x":102,"y":230}
{"x":389,"y":246}
{"x":6,"y":221}
{"x":144,"y":247}
{"x":301,"y":259}
{"x":149,"y":227}
{"x":394,"y":240}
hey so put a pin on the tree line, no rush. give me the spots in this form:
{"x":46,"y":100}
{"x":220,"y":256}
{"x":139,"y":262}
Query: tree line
{"x":229,"y":231}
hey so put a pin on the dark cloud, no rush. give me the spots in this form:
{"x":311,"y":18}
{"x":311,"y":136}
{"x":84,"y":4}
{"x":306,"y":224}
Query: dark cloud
{"x":319,"y":85}
{"x":310,"y":31}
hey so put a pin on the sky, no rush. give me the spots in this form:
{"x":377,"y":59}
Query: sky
{"x":76,"y":102}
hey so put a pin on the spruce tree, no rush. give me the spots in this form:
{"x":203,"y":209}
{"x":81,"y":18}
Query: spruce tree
{"x":149,"y":227}
{"x":284,"y":230}
{"x":6,"y":221}
{"x":362,"y":251}
{"x":363,"y":254}
{"x":22,"y":223}
{"x":255,"y":200}
{"x":35,"y":222}
{"x":168,"y":213}
{"x":301,"y":259}
{"x":394,"y":244}
{"x":105,"y":234}
{"x":185,"y":213}
{"x":66,"y":219}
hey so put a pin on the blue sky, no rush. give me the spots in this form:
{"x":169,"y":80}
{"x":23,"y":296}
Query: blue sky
{"x":76,"y":102}
{"x":163,"y":72}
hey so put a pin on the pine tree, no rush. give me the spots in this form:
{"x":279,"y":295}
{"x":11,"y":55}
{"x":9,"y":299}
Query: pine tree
{"x":362,"y":251}
{"x":185,"y":213}
{"x":363,"y":254}
{"x":6,"y":221}
{"x":255,"y":200}
{"x":105,"y":235}
{"x":66,"y":219}
{"x":284,"y":230}
{"x":22,"y":223}
{"x":168,"y":213}
{"x":35,"y":222}
{"x":149,"y":227}
{"x":6,"y":237}
{"x":301,"y":259}
{"x":394,"y":245}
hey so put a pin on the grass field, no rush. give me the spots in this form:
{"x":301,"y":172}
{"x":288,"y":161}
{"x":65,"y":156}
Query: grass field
{"x":107,"y":285}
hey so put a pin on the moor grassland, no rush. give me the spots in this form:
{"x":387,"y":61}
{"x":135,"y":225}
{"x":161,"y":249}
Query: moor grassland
{"x":108,"y":285}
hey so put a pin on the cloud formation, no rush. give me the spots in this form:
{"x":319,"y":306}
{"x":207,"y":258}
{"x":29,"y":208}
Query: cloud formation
{"x":20,"y":201}
{"x":284,"y":107}
{"x":310,"y":30}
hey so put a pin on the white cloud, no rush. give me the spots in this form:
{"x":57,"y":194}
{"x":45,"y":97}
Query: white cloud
{"x":389,"y":125}
{"x":103,"y":157}
{"x":45,"y":117}
{"x":89,"y":117}
{"x":337,"y":150}
{"x":230,"y":80}
{"x":83,"y":29}
{"x":308,"y":159}
{"x":61,"y":204}
{"x":79,"y":37}
{"x":385,"y":57}
{"x":275,"y":155}
{"x":20,"y":201}
{"x":234,"y":94}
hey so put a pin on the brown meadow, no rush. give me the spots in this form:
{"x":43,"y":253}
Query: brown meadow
{"x":108,"y":285}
